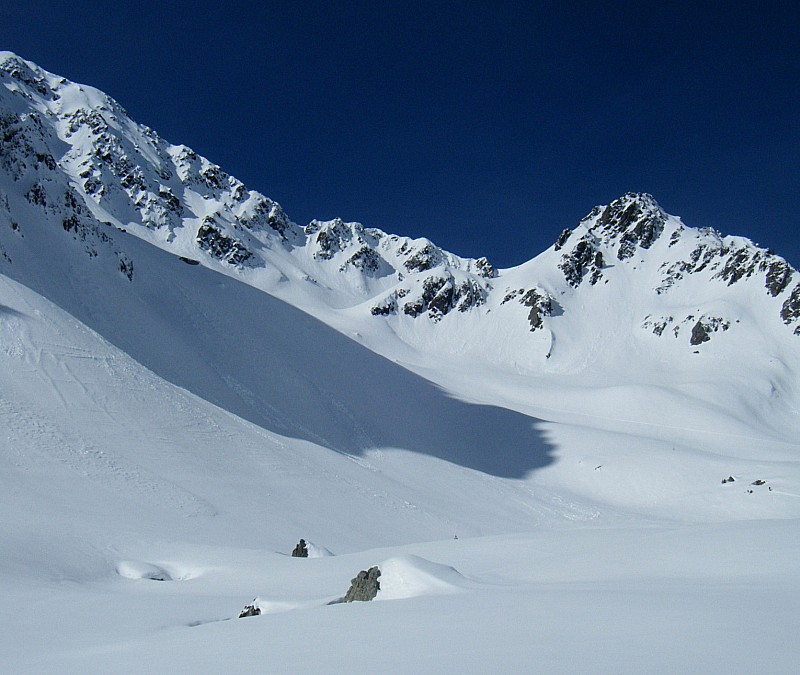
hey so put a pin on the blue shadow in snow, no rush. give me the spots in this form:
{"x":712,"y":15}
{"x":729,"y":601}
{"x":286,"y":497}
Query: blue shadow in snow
{"x":271,"y":364}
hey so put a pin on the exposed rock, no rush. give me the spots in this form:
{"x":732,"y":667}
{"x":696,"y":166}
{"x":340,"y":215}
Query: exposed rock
{"x":265,"y":213}
{"x":562,"y":239}
{"x":333,"y":237}
{"x":739,"y":264}
{"x":541,"y":304}
{"x":424,"y":259}
{"x":581,"y":260}
{"x":658,"y":325}
{"x":126,"y":266}
{"x":779,"y":275}
{"x":364,"y":586}
{"x":37,"y":195}
{"x":221,"y":246}
{"x":705,"y":326}
{"x":511,"y":294}
{"x":250,"y":610}
{"x":790,"y":311}
{"x":365,"y":259}
{"x":301,"y":550}
{"x":213,"y":177}
{"x":485,"y":268}
{"x":385,"y":307}
{"x":440,"y":294}
{"x":636,"y":218}
{"x":699,"y":334}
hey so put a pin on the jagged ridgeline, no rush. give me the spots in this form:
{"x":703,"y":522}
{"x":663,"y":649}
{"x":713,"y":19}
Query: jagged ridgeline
{"x":71,"y":159}
{"x":633,"y":224}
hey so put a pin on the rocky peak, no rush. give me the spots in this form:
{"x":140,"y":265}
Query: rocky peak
{"x":609,"y":236}
{"x":634,"y":220}
{"x":30,"y":78}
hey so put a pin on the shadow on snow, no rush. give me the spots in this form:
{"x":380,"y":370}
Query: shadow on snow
{"x":269,"y":363}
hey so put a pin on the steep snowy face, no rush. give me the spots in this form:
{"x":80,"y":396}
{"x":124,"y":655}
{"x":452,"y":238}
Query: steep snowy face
{"x":34,"y":186}
{"x":123,"y":174}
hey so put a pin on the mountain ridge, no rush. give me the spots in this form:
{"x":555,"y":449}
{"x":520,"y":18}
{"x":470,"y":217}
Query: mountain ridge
{"x":628,"y":282}
{"x":124,"y":174}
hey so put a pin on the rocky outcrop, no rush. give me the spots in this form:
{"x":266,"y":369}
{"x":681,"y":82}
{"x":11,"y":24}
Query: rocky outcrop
{"x":635,"y":219}
{"x":211,"y":239}
{"x":562,"y":239}
{"x":584,"y":259}
{"x":790,"y":311}
{"x":301,"y":550}
{"x":732,"y":261}
{"x":423,"y":259}
{"x":250,"y":610}
{"x":539,"y":301}
{"x":439,"y":295}
{"x":484,"y":268}
{"x":702,"y":327}
{"x":364,"y":586}
{"x":700,"y":334}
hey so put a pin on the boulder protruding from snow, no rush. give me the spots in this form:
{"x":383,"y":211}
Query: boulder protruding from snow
{"x":364,"y":586}
{"x":541,"y":304}
{"x":301,"y":550}
{"x":250,"y":610}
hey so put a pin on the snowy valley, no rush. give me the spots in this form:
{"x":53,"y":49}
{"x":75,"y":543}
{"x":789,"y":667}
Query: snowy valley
{"x":586,"y":463}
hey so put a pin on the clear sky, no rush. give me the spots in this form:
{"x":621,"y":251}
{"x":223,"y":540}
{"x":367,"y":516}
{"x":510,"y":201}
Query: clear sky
{"x":486,"y":126}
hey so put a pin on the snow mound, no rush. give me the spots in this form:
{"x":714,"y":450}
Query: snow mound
{"x":274,"y":606}
{"x":135,"y":569}
{"x":317,"y":551}
{"x":409,"y":576}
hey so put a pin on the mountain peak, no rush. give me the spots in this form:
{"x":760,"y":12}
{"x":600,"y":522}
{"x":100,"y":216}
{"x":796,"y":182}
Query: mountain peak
{"x":26,"y":73}
{"x":635,"y":220}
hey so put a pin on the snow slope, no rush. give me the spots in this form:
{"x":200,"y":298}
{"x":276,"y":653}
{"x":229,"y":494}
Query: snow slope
{"x":190,"y":382}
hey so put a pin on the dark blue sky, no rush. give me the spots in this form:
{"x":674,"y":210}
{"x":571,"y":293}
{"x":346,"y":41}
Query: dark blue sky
{"x":487,"y":127}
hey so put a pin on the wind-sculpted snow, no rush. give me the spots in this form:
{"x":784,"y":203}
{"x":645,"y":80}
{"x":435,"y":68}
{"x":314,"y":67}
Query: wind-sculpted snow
{"x":410,"y":576}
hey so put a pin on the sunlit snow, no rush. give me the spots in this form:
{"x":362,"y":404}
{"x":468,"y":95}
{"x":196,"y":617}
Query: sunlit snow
{"x":537,"y":501}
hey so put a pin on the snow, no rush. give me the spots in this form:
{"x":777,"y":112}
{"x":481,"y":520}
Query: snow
{"x":166,"y":440}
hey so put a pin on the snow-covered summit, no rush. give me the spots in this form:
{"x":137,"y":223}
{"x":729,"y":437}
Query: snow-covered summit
{"x":635,"y":232}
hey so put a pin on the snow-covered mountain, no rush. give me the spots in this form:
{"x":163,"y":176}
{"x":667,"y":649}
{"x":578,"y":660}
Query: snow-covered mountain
{"x":628,"y":282}
{"x":77,"y":157}
{"x":190,"y":381}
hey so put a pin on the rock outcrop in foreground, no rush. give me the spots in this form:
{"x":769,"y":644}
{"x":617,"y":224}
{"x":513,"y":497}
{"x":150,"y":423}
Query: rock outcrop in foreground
{"x":364,"y":586}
